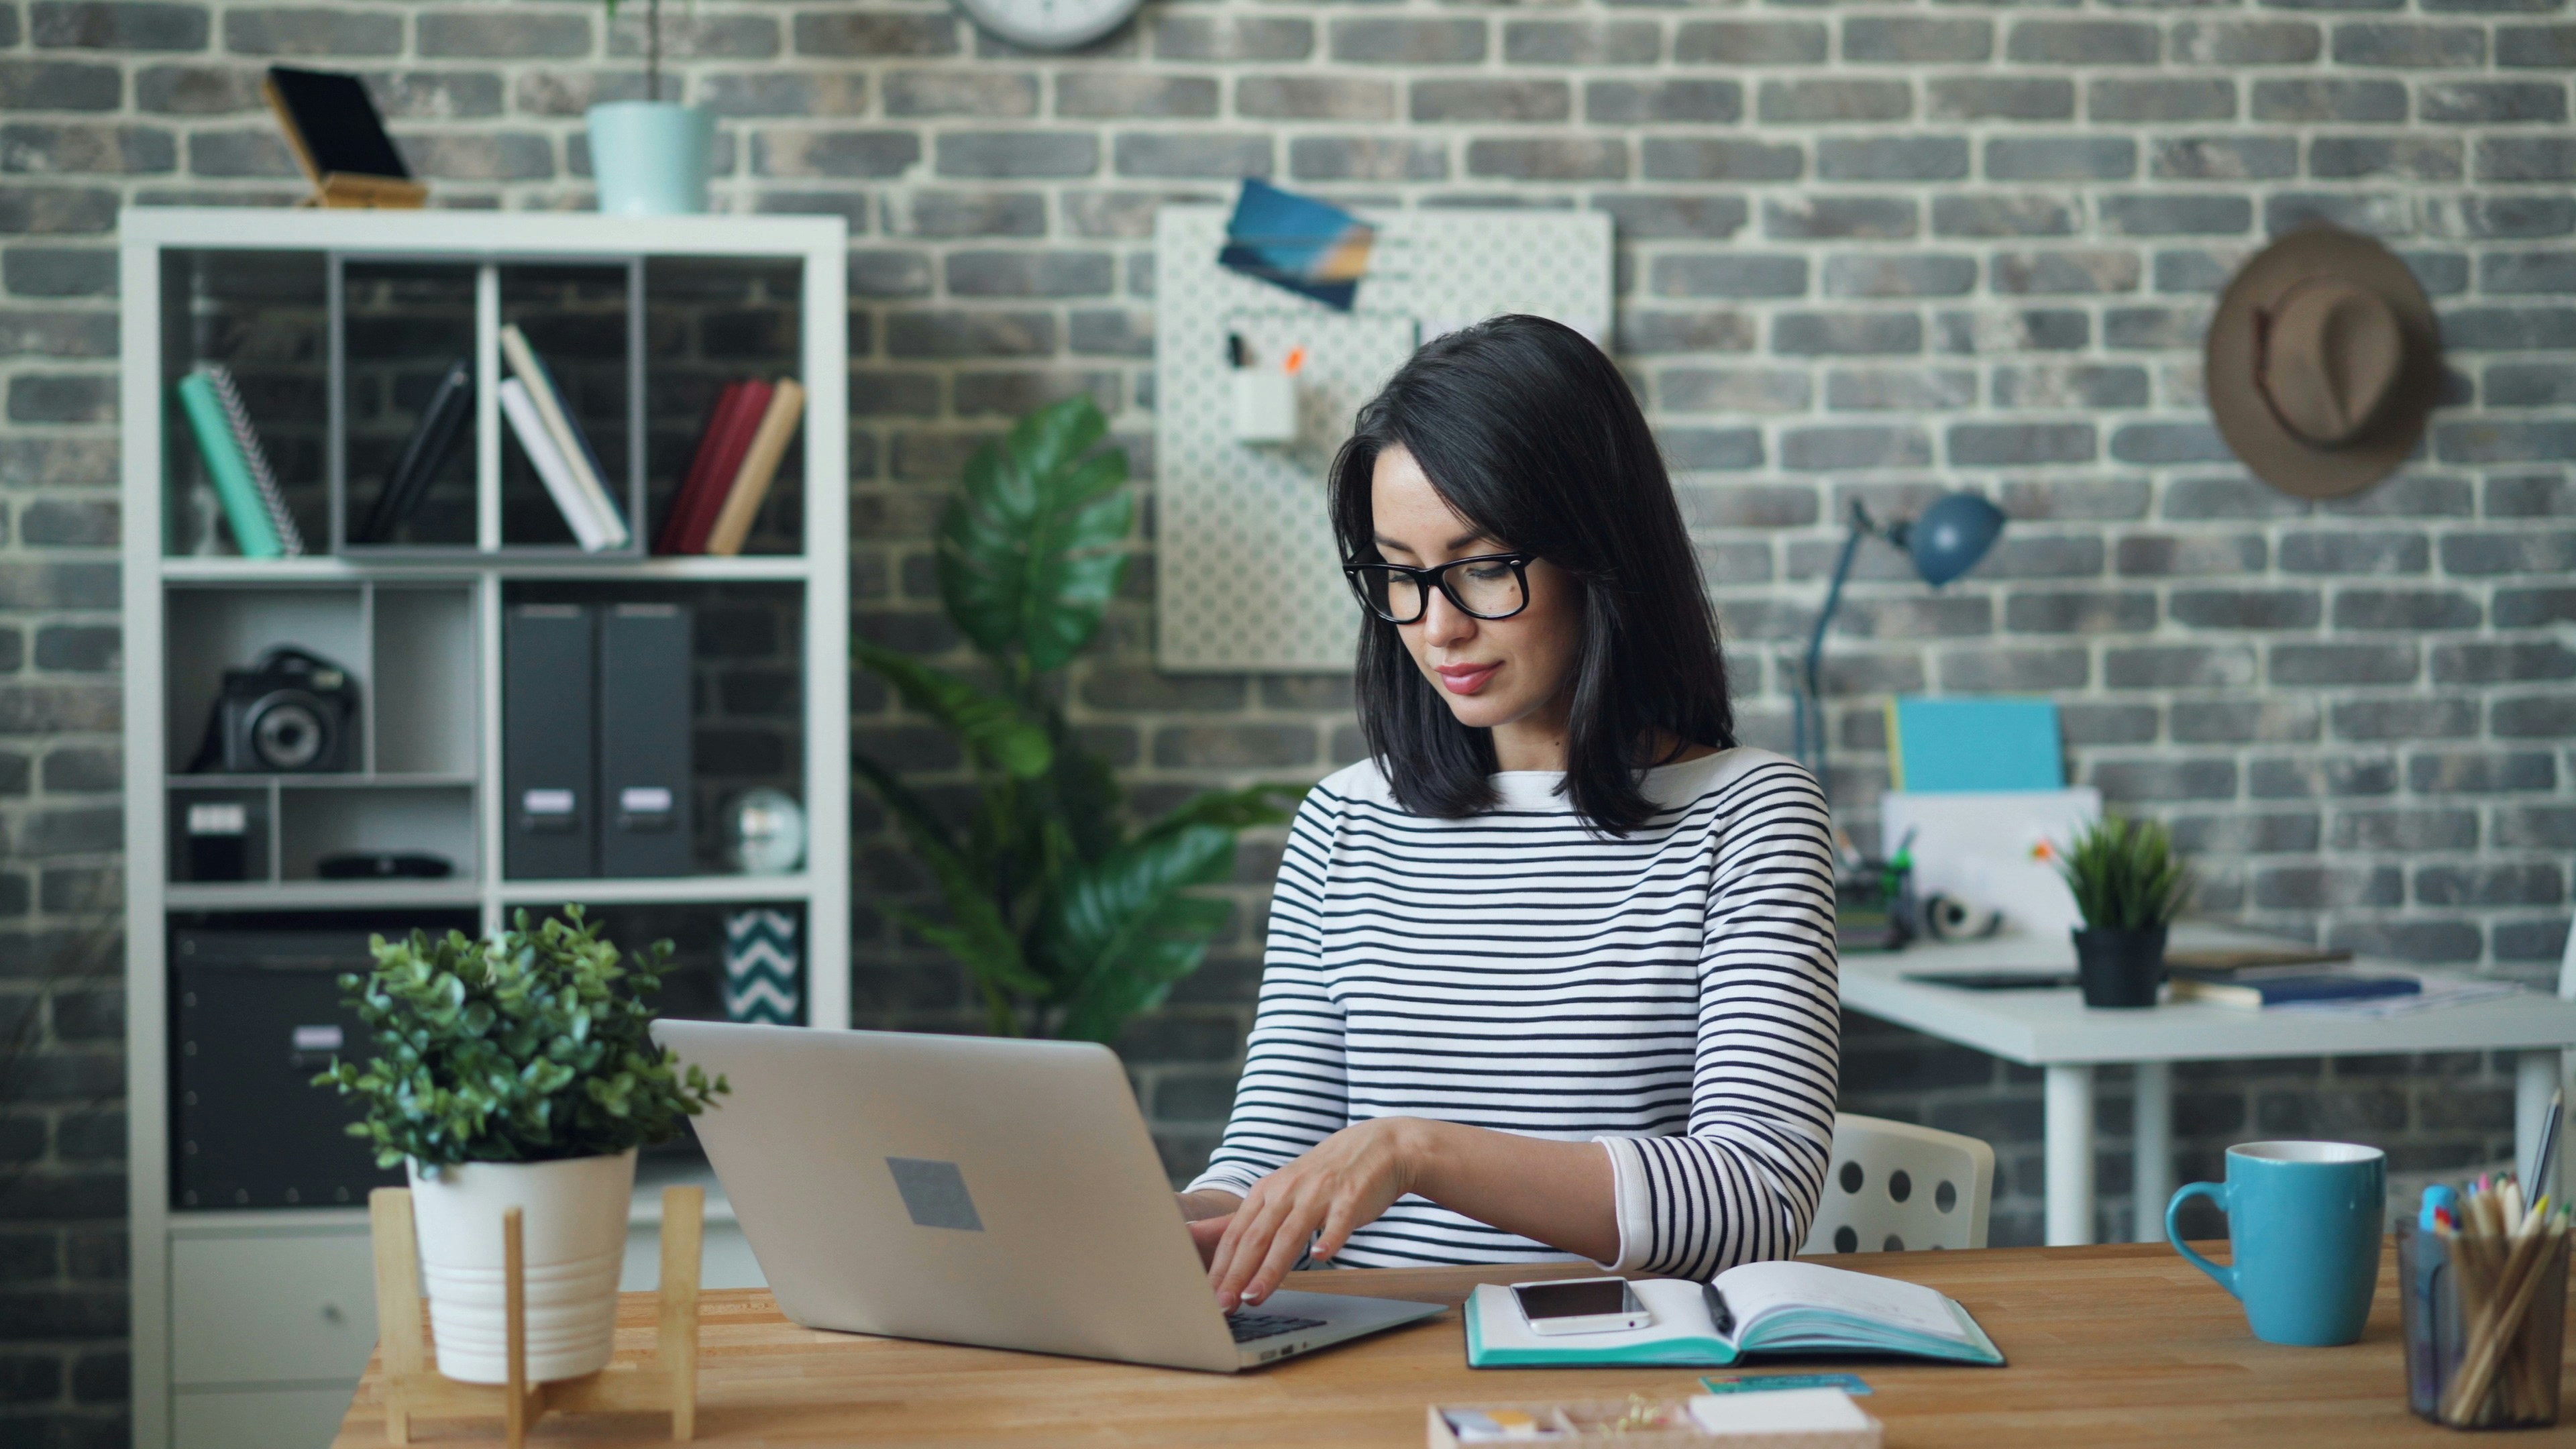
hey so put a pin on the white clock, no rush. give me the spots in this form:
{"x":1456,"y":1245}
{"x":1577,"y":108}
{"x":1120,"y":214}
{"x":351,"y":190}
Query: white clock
{"x":1050,"y":24}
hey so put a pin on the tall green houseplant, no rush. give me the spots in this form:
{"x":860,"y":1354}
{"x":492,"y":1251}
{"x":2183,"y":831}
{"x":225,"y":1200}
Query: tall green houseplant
{"x":1068,"y":921}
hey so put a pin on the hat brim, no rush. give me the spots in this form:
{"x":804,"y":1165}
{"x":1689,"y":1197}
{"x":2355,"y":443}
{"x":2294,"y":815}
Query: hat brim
{"x":2275,"y":454}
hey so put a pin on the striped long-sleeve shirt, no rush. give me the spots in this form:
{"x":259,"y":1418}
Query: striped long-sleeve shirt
{"x":1669,"y":993}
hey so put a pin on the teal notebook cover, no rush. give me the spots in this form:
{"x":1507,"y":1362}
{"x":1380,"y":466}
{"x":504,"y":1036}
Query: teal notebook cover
{"x":234,"y":487}
{"x":1780,"y":1308}
{"x":1953,"y":746}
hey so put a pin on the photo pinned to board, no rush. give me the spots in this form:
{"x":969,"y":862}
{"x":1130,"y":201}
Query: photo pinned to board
{"x":1312,"y":248}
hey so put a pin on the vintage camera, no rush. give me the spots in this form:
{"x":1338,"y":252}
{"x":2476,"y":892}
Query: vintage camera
{"x":292,"y":713}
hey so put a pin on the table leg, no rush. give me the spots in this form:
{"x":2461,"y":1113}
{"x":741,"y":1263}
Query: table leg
{"x":2152,"y":1132}
{"x":2535,"y":1078}
{"x":2068,"y":1112}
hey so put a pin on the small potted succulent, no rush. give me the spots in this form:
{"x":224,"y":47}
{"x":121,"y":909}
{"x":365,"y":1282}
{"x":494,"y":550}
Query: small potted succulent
{"x":518,"y":1073}
{"x":650,"y":157}
{"x":2129,"y":885}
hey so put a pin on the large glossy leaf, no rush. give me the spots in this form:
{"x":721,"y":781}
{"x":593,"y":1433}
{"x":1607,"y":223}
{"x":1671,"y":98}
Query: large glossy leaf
{"x":1033,"y":547}
{"x":993,"y":728}
{"x":1121,"y":930}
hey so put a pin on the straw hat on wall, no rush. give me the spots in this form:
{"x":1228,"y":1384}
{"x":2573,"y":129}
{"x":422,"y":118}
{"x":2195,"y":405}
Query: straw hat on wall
{"x":2323,"y":362}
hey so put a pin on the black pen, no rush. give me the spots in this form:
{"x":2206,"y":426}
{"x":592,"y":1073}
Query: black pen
{"x":1718,"y":1313}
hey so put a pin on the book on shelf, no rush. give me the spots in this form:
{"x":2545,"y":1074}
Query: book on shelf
{"x":529,"y":427}
{"x":759,"y":469}
{"x":1775,"y":1307}
{"x":245,"y":485}
{"x":433,"y":440}
{"x":727,"y":436}
{"x":608,"y":520}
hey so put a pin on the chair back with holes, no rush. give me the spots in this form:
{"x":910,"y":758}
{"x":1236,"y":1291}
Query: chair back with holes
{"x":1894,"y":1186}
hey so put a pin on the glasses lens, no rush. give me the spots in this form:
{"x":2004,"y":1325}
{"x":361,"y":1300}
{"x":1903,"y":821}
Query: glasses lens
{"x":1488,"y":589}
{"x":1392,"y":595}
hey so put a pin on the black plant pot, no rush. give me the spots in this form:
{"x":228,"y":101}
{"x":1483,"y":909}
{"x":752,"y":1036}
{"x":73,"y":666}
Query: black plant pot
{"x":2120,"y":967}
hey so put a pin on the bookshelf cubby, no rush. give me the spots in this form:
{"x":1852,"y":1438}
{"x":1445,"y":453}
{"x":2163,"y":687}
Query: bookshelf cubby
{"x":337,"y":326}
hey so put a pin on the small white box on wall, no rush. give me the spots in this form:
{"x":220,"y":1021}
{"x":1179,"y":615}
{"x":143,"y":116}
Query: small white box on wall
{"x":1265,"y":405}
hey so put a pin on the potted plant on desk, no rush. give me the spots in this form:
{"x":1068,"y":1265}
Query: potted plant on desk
{"x":2129,"y":885}
{"x":650,"y":157}
{"x":518,"y":1073}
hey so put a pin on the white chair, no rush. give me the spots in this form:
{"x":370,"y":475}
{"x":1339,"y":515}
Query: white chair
{"x":1895,"y":1186}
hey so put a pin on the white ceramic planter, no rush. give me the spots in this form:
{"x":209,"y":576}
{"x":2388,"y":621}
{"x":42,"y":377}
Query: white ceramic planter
{"x":573,"y":1238}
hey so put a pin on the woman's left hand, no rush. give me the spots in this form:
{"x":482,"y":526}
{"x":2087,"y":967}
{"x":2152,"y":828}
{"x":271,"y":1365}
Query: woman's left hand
{"x":1335,"y":1189}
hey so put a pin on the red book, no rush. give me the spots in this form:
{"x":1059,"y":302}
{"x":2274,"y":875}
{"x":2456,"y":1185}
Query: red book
{"x":701,"y":464}
{"x":730,"y":436}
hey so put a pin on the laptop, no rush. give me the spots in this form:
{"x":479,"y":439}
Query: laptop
{"x":977,"y":1190}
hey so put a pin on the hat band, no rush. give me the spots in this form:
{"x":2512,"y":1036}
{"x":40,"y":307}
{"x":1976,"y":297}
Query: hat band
{"x":2262,"y":329}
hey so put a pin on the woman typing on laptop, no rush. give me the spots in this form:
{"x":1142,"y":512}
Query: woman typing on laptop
{"x":1553,"y":973}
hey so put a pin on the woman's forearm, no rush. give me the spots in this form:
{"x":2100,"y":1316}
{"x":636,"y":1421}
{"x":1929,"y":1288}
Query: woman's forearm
{"x":1562,"y":1194}
{"x":1207,"y":1202}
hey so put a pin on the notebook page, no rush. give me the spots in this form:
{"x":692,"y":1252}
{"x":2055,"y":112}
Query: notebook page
{"x":1754,"y":1289}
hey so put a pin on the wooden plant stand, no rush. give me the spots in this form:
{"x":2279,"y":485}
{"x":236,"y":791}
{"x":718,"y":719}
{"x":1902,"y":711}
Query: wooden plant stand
{"x":413,"y":1385}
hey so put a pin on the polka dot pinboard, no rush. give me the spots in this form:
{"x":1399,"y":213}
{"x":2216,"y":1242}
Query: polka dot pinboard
{"x":1247,"y":576}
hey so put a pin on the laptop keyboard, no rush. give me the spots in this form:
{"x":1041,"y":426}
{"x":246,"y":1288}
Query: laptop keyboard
{"x":1249,"y":1326}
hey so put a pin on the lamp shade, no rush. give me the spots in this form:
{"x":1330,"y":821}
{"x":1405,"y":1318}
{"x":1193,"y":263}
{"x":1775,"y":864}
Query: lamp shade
{"x":1952,"y":535}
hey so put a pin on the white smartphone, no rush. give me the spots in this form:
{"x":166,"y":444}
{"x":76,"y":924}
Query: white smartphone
{"x":1581,"y":1305}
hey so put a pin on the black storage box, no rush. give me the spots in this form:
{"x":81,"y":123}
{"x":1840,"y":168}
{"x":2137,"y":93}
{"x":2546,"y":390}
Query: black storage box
{"x":255,"y":1013}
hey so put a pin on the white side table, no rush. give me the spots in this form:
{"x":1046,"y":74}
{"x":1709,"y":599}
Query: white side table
{"x":2054,"y":1031}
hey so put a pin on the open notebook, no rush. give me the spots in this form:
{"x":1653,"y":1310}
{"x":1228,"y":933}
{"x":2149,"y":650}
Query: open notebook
{"x":1773,"y":1307}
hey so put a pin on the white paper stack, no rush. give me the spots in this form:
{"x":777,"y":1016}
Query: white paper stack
{"x":1786,"y":1419}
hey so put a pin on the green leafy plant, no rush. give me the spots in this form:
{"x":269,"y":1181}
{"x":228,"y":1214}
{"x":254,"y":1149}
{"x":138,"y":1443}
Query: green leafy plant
{"x":533,"y":1048}
{"x":2125,"y":874}
{"x":1068,"y":922}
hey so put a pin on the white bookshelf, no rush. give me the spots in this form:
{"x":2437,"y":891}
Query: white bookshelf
{"x":249,"y":1326}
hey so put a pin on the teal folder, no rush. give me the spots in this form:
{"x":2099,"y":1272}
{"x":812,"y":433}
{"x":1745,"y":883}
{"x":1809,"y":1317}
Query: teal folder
{"x":1955,"y":746}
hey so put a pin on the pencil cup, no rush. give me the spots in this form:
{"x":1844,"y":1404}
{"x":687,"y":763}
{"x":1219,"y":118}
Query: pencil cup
{"x":2483,"y":1327}
{"x":1265,"y":406}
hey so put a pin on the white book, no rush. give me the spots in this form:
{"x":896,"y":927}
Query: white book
{"x":569,"y":442}
{"x":530,"y":429}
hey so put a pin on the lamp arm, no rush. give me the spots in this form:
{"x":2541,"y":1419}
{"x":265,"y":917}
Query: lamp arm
{"x":1812,"y":698}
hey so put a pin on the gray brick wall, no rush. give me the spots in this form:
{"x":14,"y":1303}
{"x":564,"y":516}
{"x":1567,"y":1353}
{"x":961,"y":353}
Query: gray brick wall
{"x":1865,"y":252}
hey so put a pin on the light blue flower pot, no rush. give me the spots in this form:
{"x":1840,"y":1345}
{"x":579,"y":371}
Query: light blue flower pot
{"x":650,"y":157}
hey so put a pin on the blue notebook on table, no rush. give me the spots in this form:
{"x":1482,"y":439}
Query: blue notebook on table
{"x":1787,"y":1307}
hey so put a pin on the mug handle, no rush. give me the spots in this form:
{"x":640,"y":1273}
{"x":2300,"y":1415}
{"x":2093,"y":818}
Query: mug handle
{"x":2216,"y":1192}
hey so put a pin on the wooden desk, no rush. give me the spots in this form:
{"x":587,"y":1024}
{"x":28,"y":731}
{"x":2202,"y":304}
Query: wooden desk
{"x":2118,"y":1344}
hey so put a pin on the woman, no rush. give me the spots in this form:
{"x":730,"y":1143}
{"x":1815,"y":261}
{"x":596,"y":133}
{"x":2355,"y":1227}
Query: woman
{"x":1553,"y":973}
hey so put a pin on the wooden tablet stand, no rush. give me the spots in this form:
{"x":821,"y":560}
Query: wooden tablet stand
{"x":413,"y":1385}
{"x":341,"y":189}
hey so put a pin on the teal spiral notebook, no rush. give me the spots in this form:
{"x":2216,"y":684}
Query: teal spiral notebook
{"x":1790,"y":1307}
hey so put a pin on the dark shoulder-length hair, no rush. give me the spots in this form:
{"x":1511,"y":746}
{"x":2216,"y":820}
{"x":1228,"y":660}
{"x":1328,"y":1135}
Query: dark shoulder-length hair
{"x":1531,"y":434}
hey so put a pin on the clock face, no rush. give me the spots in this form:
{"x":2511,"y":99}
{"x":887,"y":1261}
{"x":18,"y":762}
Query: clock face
{"x":1050,"y":24}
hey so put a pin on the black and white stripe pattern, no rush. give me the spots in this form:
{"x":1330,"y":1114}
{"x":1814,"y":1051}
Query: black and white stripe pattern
{"x":1516,"y":971}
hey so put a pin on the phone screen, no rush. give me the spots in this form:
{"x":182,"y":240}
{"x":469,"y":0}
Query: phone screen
{"x":1584,"y":1298}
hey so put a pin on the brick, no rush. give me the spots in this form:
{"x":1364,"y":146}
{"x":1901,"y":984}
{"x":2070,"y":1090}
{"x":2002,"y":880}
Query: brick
{"x":1366,"y":158}
{"x":1872,"y":274}
{"x":1553,"y":158}
{"x":1843,"y":334}
{"x":2072,"y":498}
{"x":2019,"y":445}
{"x":993,"y":94}
{"x":2332,"y":664}
{"x":2503,"y":215}
{"x":1909,"y":40}
{"x":2536,"y":827}
{"x":2405,"y":830}
{"x":2107,"y":724}
{"x":2488,"y":663}
{"x":1697,"y":218}
{"x":818,"y":153}
{"x":1728,"y":275}
{"x":2430,"y":942}
{"x":1112,"y":332}
{"x":2529,"y":717}
{"x":2168,"y":214}
{"x":1700,"y":450}
{"x":1670,"y":158}
{"x":2527,"y":273}
{"x":2223,"y":158}
{"x":2061,"y":158}
{"x":1751,"y":505}
{"x":1658,"y":332}
{"x":1015,"y":154}
{"x":1662,"y":102}
{"x":56,"y":210}
{"x":698,"y":37}
{"x":1732,"y":390}
{"x":2322,"y":98}
{"x":2480,"y":772}
{"x":1846,"y":446}
{"x":2244,"y":42}
{"x":2161,"y":99}
{"x":41,"y":398}
{"x":957,"y":333}
{"x":1110,"y":93}
{"x":2310,"y":776}
{"x":2486,"y":103}
{"x":1989,"y":215}
{"x":1574,"y":42}
{"x":2263,"y":834}
{"x":1192,"y":154}
{"x":2057,"y":385}
{"x":1314,"y":98}
{"x":1389,"y":41}
{"x":196,"y":90}
{"x":1813,"y":216}
{"x":876,"y":33}
{"x":46,"y":148}
{"x":1999,"y":98}
{"x":1492,"y":100}
{"x":1833,"y":101}
{"x":58,"y":272}
{"x":501,"y":34}
{"x":2526,"y":158}
{"x":2061,"y":273}
{"x":1231,"y":38}
{"x":2507,"y":329}
{"x":2404,"y":609}
{"x":311,"y":31}
{"x":2530,"y":385}
{"x":888,"y":273}
{"x":116,"y":25}
{"x":2390,"y":43}
{"x":59,"y":85}
{"x":1905,"y":389}
{"x":2034,"y":329}
{"x":1749,"y":42}
{"x":68,"y":523}
{"x":1891,"y":158}
{"x":1987,"y":668}
{"x":2164,"y":779}
{"x":2523,"y":608}
{"x":2314,"y":887}
{"x":2266,"y":609}
{"x":1029,"y":274}
{"x":1234,"y":746}
{"x":2079,"y":611}
{"x":2414,"y":158}
{"x":2480,"y":554}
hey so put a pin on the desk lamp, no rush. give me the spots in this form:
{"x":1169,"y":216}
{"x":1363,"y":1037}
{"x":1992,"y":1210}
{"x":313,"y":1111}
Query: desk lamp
{"x":1945,"y":542}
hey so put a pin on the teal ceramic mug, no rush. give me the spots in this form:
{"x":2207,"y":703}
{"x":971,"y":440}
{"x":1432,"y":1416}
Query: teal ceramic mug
{"x":2304,"y":1220}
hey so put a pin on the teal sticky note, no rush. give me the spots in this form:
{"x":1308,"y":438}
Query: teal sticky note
{"x":1950,"y":746}
{"x":1758,"y":1383}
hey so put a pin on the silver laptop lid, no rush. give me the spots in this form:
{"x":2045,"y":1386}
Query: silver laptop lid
{"x":969,"y":1189}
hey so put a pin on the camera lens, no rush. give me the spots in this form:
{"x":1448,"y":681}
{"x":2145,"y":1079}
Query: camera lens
{"x":287,"y":731}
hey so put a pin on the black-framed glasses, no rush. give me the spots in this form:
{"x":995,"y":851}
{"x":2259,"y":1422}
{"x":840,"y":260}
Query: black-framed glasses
{"x":1488,"y":586}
